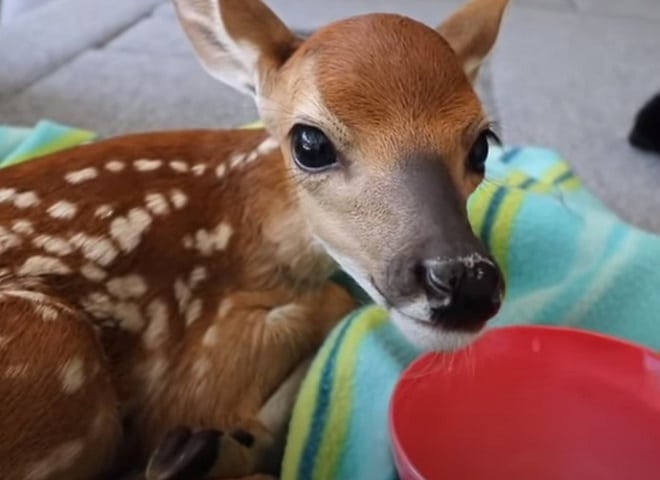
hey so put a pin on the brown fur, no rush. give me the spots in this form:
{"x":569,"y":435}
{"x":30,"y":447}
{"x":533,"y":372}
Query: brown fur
{"x":202,"y":311}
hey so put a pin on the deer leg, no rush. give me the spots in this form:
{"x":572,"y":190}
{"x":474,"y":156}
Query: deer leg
{"x":254,"y":445}
{"x":58,"y":411}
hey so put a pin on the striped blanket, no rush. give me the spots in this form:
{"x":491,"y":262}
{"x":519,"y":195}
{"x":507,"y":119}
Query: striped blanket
{"x":567,"y":260}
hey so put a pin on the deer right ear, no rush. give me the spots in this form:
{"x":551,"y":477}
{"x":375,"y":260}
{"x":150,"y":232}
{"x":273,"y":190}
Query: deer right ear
{"x":239,"y":42}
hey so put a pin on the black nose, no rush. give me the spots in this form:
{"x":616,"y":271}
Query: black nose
{"x":463,"y":293}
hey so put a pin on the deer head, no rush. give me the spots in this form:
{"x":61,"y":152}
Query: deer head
{"x":384,"y":139}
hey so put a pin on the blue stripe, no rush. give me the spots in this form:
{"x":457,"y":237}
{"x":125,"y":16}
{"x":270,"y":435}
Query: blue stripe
{"x":489,"y":220}
{"x":306,"y":466}
{"x":510,"y":154}
{"x":527,"y":183}
{"x":563,"y":177}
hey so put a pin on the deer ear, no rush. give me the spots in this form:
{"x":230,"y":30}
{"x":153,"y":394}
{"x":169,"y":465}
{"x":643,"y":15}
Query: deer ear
{"x":239,"y":42}
{"x":472,"y":30}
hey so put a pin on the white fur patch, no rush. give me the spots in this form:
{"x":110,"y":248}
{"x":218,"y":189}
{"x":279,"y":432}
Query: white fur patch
{"x":198,"y":275}
{"x":146,"y":165}
{"x":93,"y":273}
{"x":8,"y":240}
{"x":51,"y":244}
{"x":63,"y":210}
{"x":157,"y":332}
{"x":211,"y":336}
{"x":157,"y":204}
{"x":267,"y":146}
{"x":178,"y":198}
{"x":285,"y":313}
{"x":236,"y":159}
{"x":104,"y":211}
{"x":97,"y":249}
{"x":188,"y":242}
{"x":80,"y":176}
{"x":182,"y":294}
{"x":225,"y":307}
{"x":221,"y":170}
{"x":128,"y":230}
{"x":26,"y":200}
{"x":46,"y":312}
{"x":55,"y":462}
{"x":129,"y":316}
{"x":252,"y":157}
{"x":72,"y":375}
{"x":115,"y":166}
{"x":201,"y":367}
{"x":194,"y":311}
{"x":7,"y":194}
{"x":179,"y":166}
{"x":41,"y":265}
{"x":199,"y":169}
{"x":129,"y":286}
{"x":24,"y":227}
{"x":208,"y":242}
{"x":97,"y":304}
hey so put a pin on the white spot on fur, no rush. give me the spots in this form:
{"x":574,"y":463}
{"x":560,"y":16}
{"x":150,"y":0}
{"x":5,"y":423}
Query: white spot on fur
{"x":208,"y":242}
{"x":47,"y":312}
{"x":26,"y":200}
{"x":146,"y":165}
{"x":56,"y":462}
{"x":285,"y":313}
{"x":194,"y":311}
{"x":252,"y":157}
{"x":188,"y":242}
{"x":178,"y":198}
{"x":236,"y":159}
{"x":93,"y":273}
{"x":128,"y":230}
{"x":8,"y":240}
{"x":80,"y":176}
{"x":129,"y":316}
{"x":199,"y":169}
{"x":198,"y":275}
{"x":157,"y":331}
{"x":7,"y":194}
{"x":182,"y":294}
{"x":24,"y":227}
{"x":157,"y":204}
{"x":221,"y":170}
{"x":115,"y":166}
{"x":211,"y":336}
{"x":63,"y":210}
{"x":97,"y":249}
{"x":72,"y":375}
{"x":54,"y":245}
{"x":179,"y":166}
{"x":129,"y":286}
{"x":97,"y":304}
{"x":17,"y":370}
{"x":41,"y":265}
{"x":104,"y":211}
{"x":225,"y":307}
{"x":267,"y":146}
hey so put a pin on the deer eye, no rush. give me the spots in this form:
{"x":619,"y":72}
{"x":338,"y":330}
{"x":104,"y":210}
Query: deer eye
{"x":312,"y":150}
{"x":476,"y":160}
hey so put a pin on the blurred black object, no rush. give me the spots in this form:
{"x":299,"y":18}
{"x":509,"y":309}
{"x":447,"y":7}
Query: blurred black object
{"x":645,"y":134}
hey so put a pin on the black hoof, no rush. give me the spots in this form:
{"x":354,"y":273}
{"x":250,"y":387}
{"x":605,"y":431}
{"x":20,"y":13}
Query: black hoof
{"x":184,"y":455}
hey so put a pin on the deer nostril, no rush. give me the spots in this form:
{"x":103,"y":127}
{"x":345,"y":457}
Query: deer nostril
{"x":462,"y":294}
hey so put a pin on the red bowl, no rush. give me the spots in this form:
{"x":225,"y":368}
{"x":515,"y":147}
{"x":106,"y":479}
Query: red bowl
{"x":526,"y":403}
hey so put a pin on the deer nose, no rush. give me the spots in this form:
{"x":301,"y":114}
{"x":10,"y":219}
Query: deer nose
{"x":463,"y":293}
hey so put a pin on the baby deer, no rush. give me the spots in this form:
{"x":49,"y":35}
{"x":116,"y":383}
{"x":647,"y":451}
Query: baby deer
{"x":161,"y":294}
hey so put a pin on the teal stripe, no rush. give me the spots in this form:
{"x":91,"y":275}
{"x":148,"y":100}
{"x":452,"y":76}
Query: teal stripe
{"x":563,"y":177}
{"x":491,"y":215}
{"x":306,"y":466}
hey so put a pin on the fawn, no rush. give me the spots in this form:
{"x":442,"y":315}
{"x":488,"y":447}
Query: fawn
{"x":162,"y":294}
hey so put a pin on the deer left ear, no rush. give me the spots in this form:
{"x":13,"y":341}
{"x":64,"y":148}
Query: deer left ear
{"x":472,"y":31}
